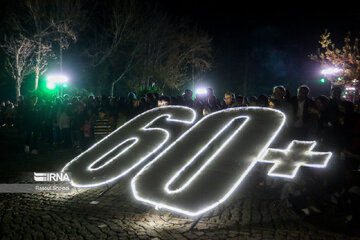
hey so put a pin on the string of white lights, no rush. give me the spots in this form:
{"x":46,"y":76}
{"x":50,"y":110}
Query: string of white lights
{"x":154,"y":189}
{"x":200,"y":152}
{"x":297,"y":154}
{"x":145,"y":140}
{"x":211,"y":175}
{"x":133,"y":140}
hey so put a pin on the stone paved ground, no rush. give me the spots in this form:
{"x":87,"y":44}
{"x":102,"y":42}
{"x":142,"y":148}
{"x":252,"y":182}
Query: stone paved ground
{"x":254,"y":213}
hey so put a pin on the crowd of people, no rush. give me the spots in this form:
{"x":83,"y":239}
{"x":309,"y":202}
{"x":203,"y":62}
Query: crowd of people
{"x":77,"y":122}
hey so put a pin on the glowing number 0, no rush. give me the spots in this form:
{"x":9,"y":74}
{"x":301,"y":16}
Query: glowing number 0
{"x":198,"y":170}
{"x":239,"y":135}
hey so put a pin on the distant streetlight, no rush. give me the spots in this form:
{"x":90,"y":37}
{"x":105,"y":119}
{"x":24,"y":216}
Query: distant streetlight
{"x":331,"y":71}
{"x":331,"y":74}
{"x":50,"y":85}
{"x":201,"y":91}
{"x":57,"y":80}
{"x":350,"y":88}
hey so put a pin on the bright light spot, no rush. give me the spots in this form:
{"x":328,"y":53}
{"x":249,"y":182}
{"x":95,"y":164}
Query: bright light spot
{"x":58,"y":78}
{"x":50,"y":85}
{"x":350,"y":88}
{"x":339,"y":78}
{"x":330,"y":71}
{"x":201,"y":91}
{"x":65,"y":85}
{"x":322,"y":80}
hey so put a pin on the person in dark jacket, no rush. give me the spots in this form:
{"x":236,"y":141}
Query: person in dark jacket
{"x":31,"y":125}
{"x":303,"y":118}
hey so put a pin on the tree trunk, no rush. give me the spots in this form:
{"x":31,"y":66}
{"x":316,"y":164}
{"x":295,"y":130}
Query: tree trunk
{"x":61,"y":68}
{"x":37,"y":67}
{"x":37,"y":73}
{"x":112,"y":90}
{"x":17,"y":87}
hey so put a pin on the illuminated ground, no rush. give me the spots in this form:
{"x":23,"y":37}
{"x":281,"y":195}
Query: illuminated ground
{"x":116,"y":215}
{"x":255,"y":214}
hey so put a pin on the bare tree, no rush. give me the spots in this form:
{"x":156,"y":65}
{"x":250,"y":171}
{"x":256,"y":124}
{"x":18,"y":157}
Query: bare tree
{"x":65,"y":18}
{"x":126,"y":69}
{"x":40,"y":30}
{"x":171,"y":50}
{"x":43,"y":52}
{"x":113,"y":41}
{"x":142,"y":47}
{"x":19,"y":62}
{"x":46,"y":22}
{"x":115,"y":29}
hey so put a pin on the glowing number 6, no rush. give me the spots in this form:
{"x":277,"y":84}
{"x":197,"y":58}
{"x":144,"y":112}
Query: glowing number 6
{"x":135,"y":142}
{"x":206,"y":164}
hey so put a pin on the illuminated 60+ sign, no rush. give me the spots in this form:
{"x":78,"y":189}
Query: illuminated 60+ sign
{"x":191,"y":167}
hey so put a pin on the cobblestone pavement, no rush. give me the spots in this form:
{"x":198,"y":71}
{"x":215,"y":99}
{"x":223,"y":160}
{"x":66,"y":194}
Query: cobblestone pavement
{"x":253,"y":213}
{"x":82,"y":214}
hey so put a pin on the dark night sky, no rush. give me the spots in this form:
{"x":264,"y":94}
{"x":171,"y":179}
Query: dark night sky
{"x":257,"y":46}
{"x":265,"y":44}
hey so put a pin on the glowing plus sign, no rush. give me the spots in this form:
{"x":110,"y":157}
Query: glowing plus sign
{"x":288,"y":161}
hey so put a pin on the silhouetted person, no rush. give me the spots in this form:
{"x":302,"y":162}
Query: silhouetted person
{"x":31,"y":125}
{"x":187,"y":98}
{"x":282,"y":104}
{"x":341,"y":116}
{"x":302,"y":116}
{"x":262,"y":101}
